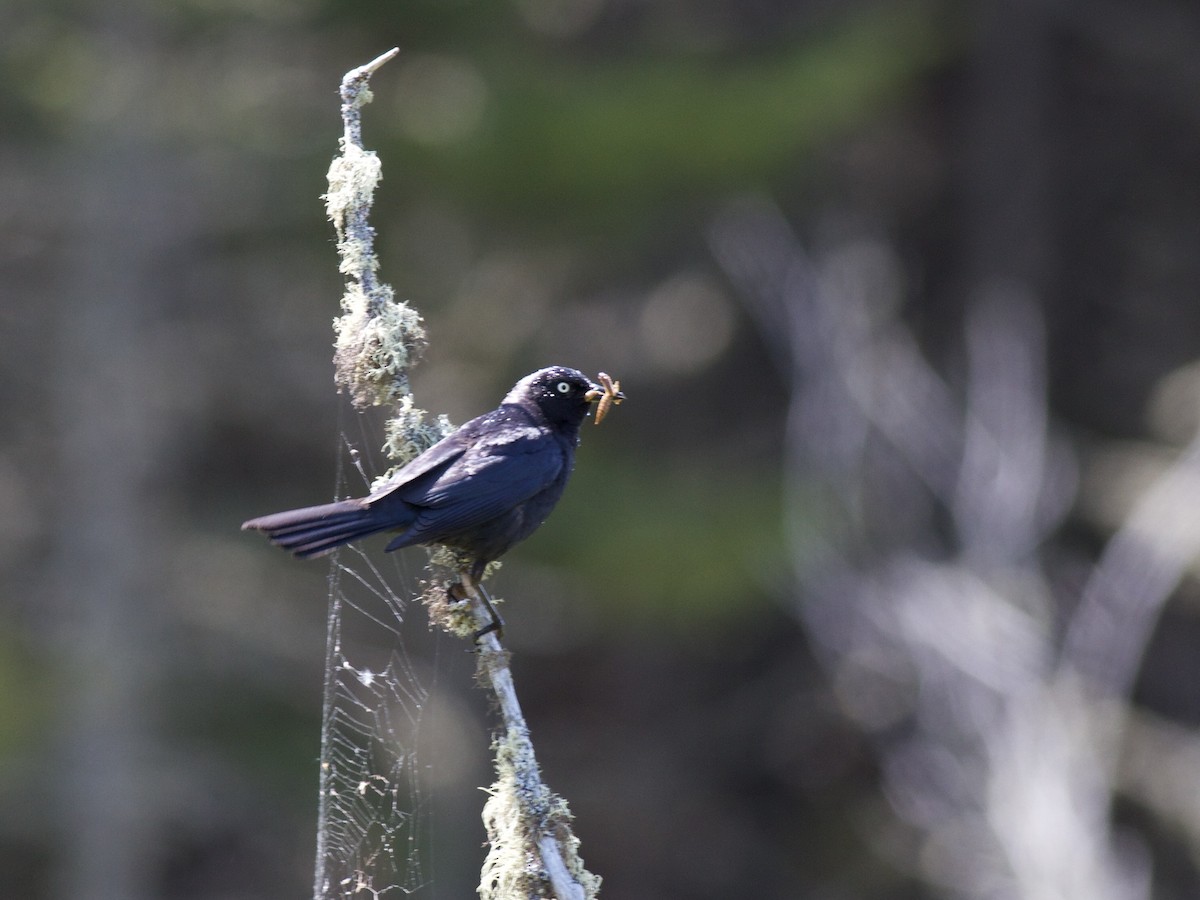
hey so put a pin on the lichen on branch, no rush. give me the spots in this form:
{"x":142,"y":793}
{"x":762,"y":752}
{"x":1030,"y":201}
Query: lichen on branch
{"x":379,"y":338}
{"x":533,"y":852}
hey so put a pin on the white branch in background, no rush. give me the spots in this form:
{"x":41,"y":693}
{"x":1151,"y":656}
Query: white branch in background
{"x":1141,"y":566}
{"x":1005,"y":764}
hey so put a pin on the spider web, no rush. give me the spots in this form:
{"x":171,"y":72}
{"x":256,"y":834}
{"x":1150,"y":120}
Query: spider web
{"x":373,"y":816}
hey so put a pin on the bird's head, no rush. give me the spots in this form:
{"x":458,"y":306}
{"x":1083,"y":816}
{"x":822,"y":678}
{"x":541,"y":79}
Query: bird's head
{"x":562,"y":395}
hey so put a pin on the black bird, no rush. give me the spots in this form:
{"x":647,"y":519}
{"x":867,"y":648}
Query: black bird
{"x":482,"y":489}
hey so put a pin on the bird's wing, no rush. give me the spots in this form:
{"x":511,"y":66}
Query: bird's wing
{"x":496,"y":474}
{"x":429,"y":466}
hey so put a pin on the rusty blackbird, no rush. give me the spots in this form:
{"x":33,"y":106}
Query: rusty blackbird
{"x":480,"y":490}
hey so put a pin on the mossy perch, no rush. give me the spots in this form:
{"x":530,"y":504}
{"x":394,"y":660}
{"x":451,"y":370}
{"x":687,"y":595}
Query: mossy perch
{"x":533,"y":852}
{"x":379,"y":338}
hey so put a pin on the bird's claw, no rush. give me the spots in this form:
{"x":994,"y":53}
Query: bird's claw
{"x":460,"y":593}
{"x":496,"y":625}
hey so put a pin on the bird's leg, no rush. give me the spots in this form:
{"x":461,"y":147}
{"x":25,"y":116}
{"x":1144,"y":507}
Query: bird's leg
{"x":468,"y":586}
{"x":497,"y":623}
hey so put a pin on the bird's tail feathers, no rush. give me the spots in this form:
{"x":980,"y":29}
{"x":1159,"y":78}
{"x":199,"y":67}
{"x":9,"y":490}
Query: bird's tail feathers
{"x":316,"y":530}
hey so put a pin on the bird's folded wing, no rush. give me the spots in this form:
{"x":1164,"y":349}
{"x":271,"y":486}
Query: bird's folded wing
{"x":425,"y":469}
{"x":491,"y":478}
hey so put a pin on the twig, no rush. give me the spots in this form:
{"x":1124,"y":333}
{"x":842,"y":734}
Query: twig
{"x":378,"y":339}
{"x":527,"y":823}
{"x":355,"y":94}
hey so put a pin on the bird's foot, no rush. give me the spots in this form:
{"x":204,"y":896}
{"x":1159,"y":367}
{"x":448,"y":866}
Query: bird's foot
{"x":461,"y":593}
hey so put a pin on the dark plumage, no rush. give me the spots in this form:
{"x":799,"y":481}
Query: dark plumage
{"x":481,"y":490}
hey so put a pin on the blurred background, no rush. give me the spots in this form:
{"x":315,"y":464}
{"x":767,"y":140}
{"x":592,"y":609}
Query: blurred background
{"x":879,"y":586}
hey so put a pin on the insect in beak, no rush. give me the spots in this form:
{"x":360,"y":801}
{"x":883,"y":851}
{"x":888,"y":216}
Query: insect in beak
{"x":607,"y":395}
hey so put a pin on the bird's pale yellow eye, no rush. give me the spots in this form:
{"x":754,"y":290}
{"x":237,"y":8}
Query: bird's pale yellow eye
{"x":563,"y":387}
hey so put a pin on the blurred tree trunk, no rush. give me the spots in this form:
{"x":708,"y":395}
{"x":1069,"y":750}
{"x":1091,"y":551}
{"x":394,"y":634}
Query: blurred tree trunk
{"x":107,"y":530}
